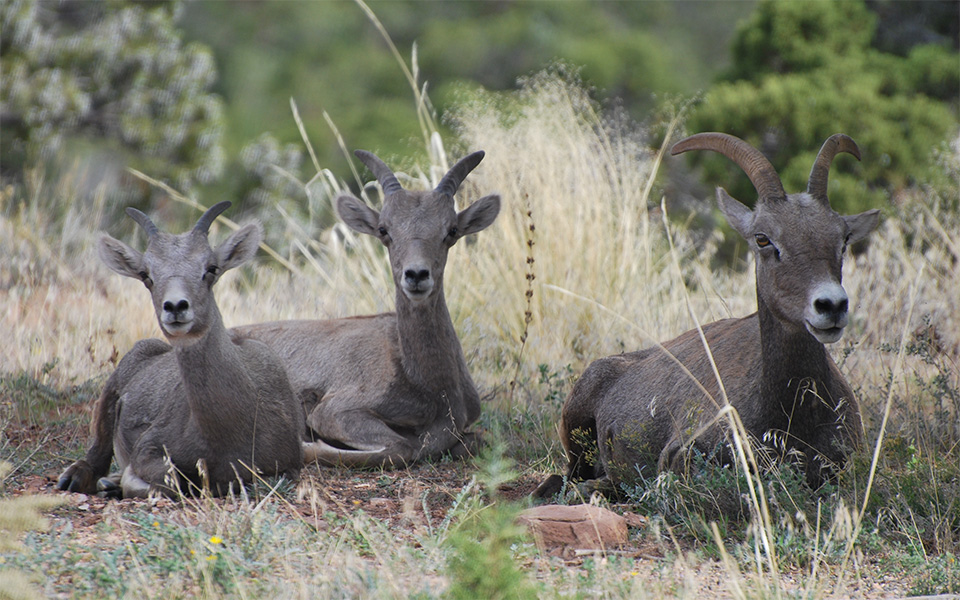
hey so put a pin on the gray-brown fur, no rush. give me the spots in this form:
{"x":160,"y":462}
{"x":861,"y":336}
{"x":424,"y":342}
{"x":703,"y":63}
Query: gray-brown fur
{"x":640,"y":412}
{"x":390,"y":389}
{"x":208,"y":396}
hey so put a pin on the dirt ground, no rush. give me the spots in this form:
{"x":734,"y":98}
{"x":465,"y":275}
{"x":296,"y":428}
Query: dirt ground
{"x":405,"y":499}
{"x":394,"y":497}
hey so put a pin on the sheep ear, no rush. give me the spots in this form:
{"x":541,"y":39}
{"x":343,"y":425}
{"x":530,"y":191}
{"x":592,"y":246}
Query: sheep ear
{"x":738,"y":215}
{"x":239,"y":247}
{"x":861,"y":225}
{"x":119,"y":257}
{"x":358,"y":216}
{"x":479,"y":215}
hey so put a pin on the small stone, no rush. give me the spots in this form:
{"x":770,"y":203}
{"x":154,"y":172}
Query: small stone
{"x":382,"y":504}
{"x":634,"y":520}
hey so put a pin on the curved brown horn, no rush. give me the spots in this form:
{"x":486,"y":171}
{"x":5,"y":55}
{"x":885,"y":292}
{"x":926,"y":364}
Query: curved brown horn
{"x":388,"y":181}
{"x":835,"y":144}
{"x":143,"y":221}
{"x":455,"y":176}
{"x":203,"y":225}
{"x":761,"y":173}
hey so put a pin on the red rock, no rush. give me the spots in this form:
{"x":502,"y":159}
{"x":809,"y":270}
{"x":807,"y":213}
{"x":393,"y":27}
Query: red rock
{"x":575,"y":527}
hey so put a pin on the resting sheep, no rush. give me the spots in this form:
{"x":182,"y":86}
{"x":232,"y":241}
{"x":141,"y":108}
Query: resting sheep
{"x":637,"y":413}
{"x":209,"y":408}
{"x":390,"y":389}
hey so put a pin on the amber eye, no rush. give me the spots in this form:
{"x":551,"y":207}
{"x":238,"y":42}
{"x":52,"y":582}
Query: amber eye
{"x":762,"y":240}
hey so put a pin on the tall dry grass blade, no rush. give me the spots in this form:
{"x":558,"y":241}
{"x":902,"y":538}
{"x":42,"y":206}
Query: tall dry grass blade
{"x":286,"y":175}
{"x":888,"y":404}
{"x":742,"y":443}
{"x":601,"y":307}
{"x":736,"y":577}
{"x":428,"y":124}
{"x":686,"y":297}
{"x":648,"y":187}
{"x":303,"y":134}
{"x":177,"y":196}
{"x":941,"y":231}
{"x":343,"y":149}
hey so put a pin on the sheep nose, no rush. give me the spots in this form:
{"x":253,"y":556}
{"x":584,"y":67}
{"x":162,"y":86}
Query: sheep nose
{"x":416,"y":276}
{"x":831,"y":307}
{"x":176,"y":307}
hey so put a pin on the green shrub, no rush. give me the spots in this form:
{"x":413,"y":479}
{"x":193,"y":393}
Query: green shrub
{"x":805,"y":70}
{"x":482,"y":563}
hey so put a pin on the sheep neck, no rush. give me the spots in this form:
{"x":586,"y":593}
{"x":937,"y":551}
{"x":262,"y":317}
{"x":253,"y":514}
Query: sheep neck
{"x":214,"y":378}
{"x":430,"y":349}
{"x":793,"y":361}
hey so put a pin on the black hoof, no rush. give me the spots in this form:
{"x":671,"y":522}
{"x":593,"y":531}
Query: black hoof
{"x":107,"y":488}
{"x":550,"y":487}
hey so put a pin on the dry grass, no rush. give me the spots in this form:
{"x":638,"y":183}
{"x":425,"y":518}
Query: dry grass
{"x":604,"y":282}
{"x":604,"y":279}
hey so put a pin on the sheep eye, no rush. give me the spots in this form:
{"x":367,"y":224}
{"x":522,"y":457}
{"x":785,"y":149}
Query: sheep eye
{"x":383,"y":232}
{"x":145,"y":278}
{"x":211,"y":273}
{"x":453,"y":232}
{"x":762,"y":240}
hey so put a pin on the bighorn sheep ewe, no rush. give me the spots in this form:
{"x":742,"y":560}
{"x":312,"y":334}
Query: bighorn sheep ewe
{"x":205,"y":409}
{"x":645,"y":409}
{"x":390,"y":389}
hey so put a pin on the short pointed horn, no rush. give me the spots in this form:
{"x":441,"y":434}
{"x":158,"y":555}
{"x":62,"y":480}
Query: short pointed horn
{"x":143,"y":221}
{"x":761,"y":173}
{"x":388,"y":181}
{"x":203,"y":225}
{"x":835,"y":144}
{"x":455,"y":176}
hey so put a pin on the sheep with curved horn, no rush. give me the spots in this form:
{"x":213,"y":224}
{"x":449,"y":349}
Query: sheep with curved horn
{"x":206,"y":409}
{"x":390,"y":389}
{"x":645,"y":410}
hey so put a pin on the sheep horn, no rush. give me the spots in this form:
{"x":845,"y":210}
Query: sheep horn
{"x":835,"y":144}
{"x":388,"y":181}
{"x":761,"y":173}
{"x":203,"y":225}
{"x":144,"y":222}
{"x":455,"y":176}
